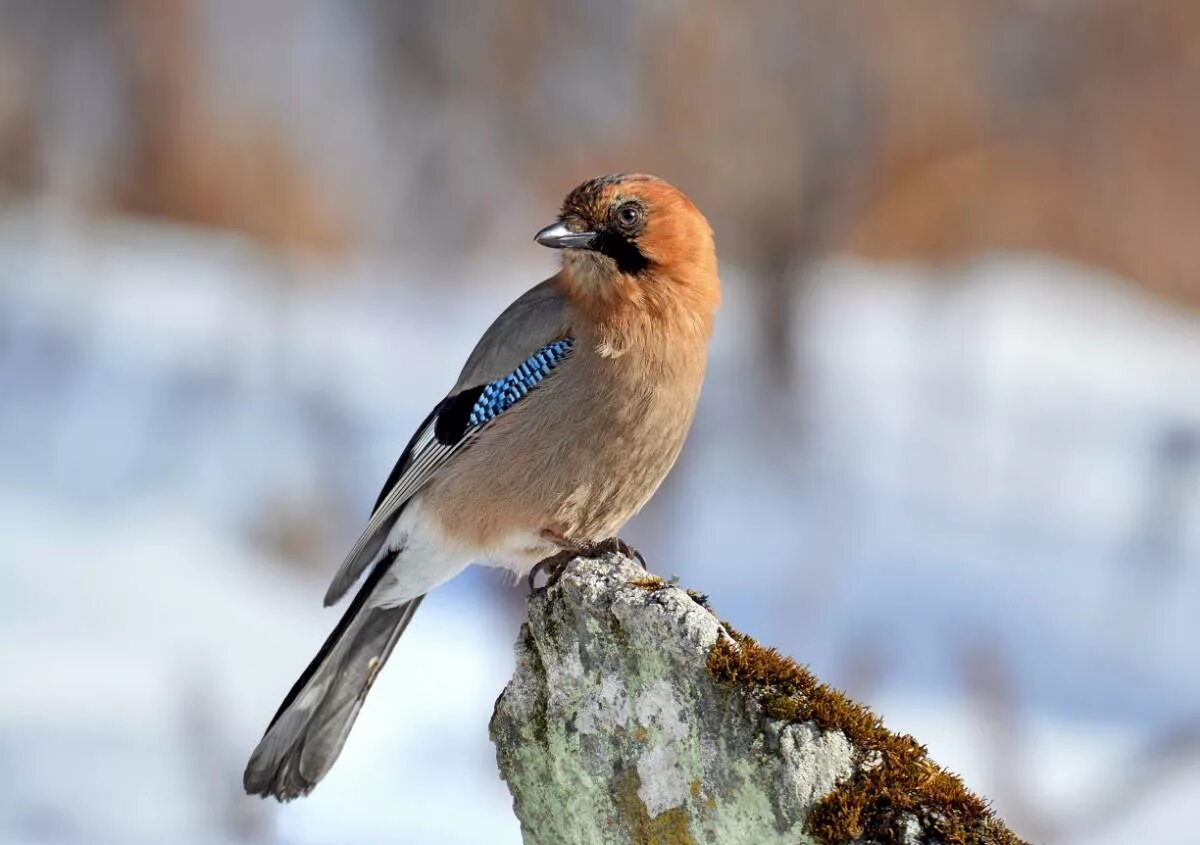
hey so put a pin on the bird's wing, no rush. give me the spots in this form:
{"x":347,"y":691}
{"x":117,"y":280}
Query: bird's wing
{"x":536,"y":317}
{"x":525,"y":344}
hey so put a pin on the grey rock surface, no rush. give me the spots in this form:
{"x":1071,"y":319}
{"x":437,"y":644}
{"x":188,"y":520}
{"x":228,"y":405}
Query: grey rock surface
{"x":612,"y":730}
{"x":634,"y":717}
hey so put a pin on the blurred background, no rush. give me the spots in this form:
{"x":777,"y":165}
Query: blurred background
{"x":948,"y":452}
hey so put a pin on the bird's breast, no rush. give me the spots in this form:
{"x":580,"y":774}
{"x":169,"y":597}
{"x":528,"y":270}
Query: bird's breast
{"x":579,"y":456}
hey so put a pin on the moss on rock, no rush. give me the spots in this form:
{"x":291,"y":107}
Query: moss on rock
{"x":634,"y":717}
{"x":895,"y":782}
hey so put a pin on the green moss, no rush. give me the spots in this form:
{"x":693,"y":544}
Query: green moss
{"x":894,"y":778}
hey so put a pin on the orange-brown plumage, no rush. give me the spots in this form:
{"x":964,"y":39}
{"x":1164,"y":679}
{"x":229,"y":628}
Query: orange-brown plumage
{"x":569,"y":413}
{"x":678,"y":289}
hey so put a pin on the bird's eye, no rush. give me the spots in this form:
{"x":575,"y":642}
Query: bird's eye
{"x":628,"y":215}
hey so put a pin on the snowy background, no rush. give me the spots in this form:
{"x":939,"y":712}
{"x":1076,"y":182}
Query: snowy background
{"x":965,"y":489}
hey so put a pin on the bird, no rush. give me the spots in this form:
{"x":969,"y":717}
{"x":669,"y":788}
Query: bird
{"x":565,"y":419}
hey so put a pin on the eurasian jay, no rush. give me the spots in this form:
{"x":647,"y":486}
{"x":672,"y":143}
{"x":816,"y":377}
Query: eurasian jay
{"x":569,"y":413}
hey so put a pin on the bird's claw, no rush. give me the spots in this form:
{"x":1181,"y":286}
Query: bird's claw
{"x":553,"y":567}
{"x":619,"y":546}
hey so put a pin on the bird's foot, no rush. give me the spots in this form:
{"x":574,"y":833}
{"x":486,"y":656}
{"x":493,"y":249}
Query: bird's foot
{"x":553,"y":568}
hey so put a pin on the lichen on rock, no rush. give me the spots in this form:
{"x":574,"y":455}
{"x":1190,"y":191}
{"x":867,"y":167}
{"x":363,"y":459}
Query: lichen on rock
{"x":635,"y":716}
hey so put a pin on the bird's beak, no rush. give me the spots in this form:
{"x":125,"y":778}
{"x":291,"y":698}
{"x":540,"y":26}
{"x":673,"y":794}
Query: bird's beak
{"x":558,"y":236}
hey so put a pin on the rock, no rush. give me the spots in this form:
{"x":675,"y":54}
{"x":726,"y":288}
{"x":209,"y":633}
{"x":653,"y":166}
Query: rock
{"x":635,"y":716}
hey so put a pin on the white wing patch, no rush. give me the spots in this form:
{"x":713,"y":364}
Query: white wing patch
{"x":427,"y":455}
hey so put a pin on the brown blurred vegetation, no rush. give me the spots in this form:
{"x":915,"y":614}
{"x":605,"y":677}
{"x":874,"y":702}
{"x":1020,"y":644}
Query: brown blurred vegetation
{"x":191,"y":160}
{"x":917,"y":130}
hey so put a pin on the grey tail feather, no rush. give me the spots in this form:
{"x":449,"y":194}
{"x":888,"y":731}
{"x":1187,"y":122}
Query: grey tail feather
{"x":352,"y":569}
{"x":308,"y":732}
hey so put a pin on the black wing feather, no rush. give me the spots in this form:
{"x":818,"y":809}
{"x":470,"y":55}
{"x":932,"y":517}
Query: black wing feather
{"x":406,"y":456}
{"x":454,"y":421}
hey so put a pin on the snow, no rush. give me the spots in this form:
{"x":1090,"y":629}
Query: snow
{"x":146,"y":655}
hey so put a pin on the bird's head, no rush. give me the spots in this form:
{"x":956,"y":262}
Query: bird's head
{"x":636,"y":240}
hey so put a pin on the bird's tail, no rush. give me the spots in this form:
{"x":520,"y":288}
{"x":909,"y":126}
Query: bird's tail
{"x":305,"y":737}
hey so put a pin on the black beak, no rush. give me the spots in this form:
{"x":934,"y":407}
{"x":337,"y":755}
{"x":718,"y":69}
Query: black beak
{"x":558,"y":236}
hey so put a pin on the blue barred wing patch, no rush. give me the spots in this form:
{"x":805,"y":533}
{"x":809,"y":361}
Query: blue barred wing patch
{"x":450,"y":426}
{"x":501,"y":394}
